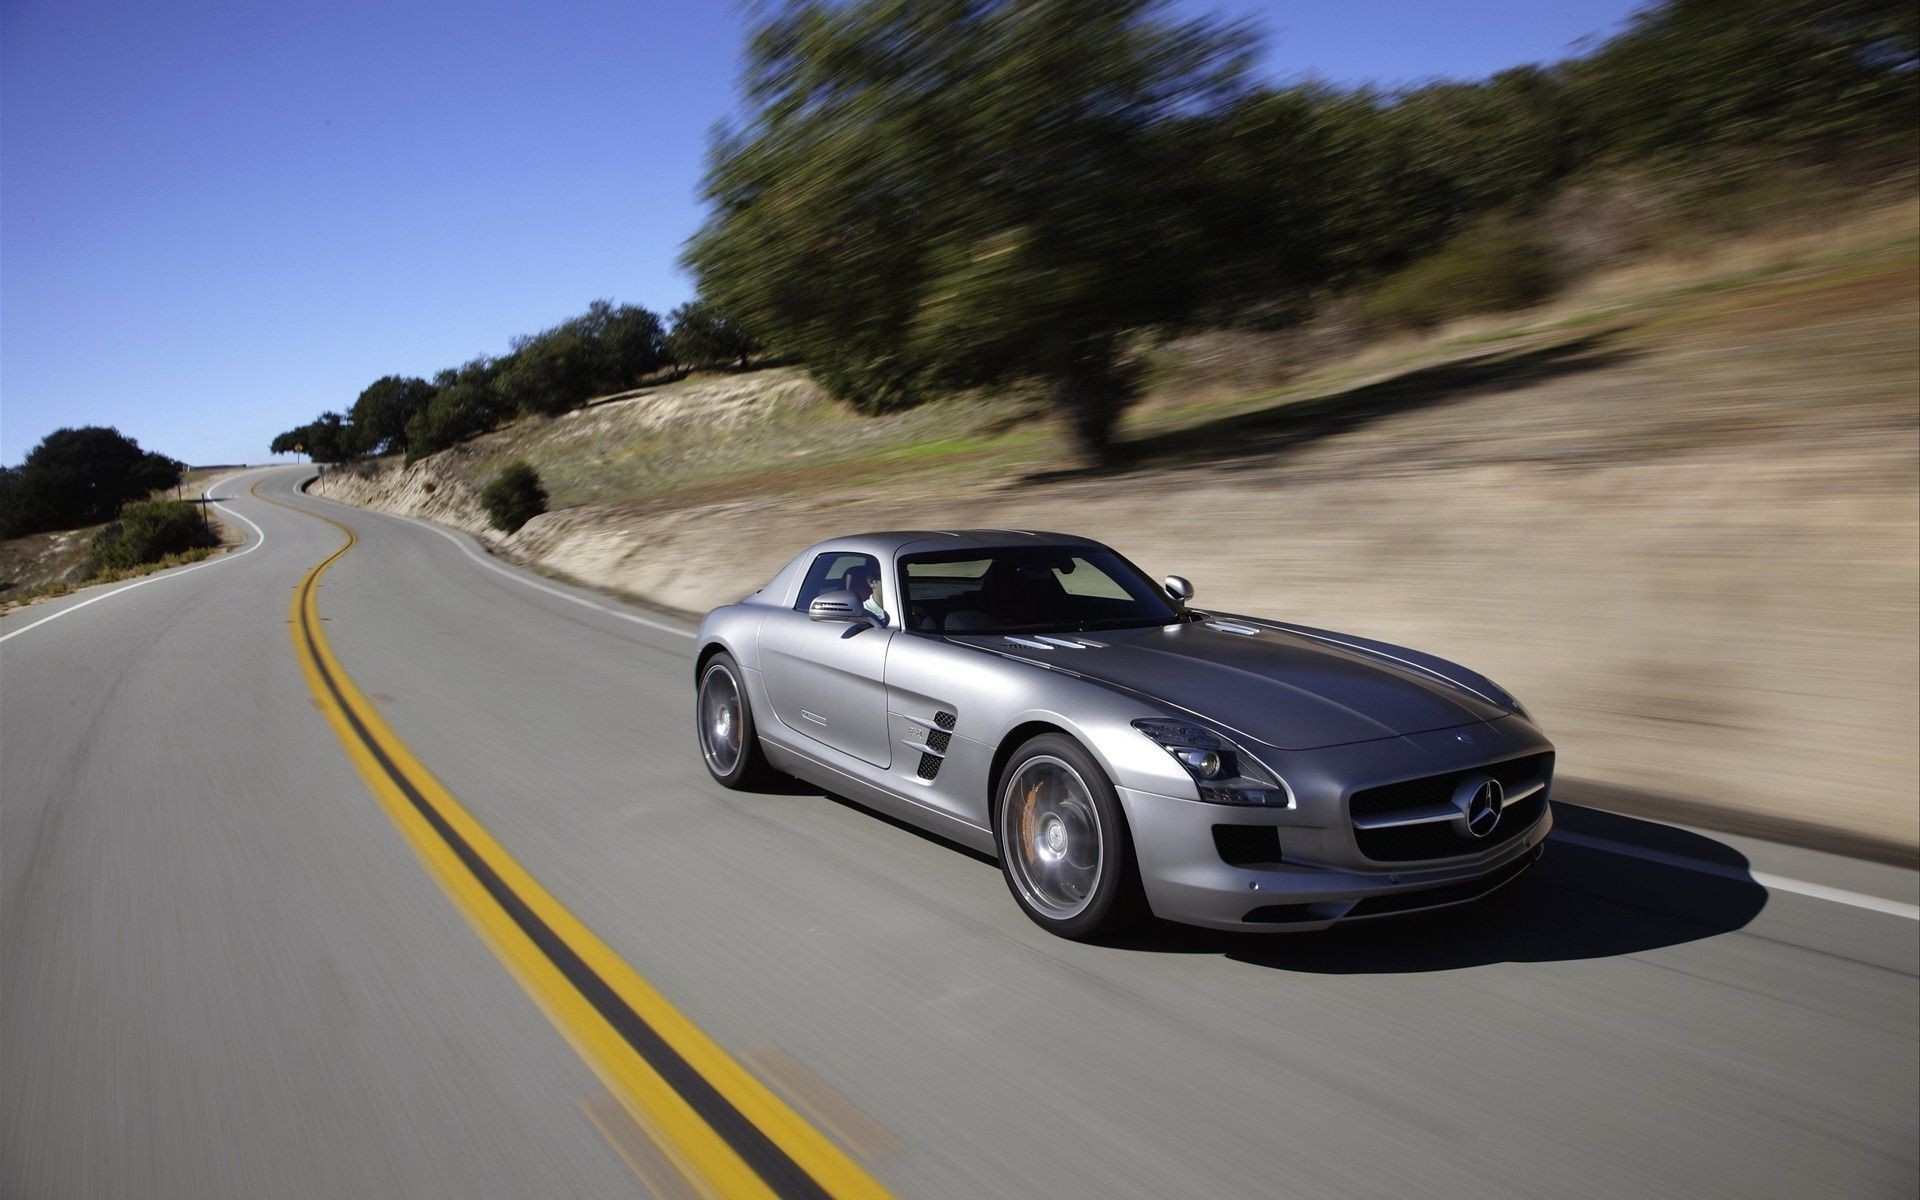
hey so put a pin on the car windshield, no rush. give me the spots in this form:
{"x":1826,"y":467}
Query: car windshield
{"x":1029,"y":589}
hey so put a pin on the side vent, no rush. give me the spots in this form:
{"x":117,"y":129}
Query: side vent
{"x":933,"y":744}
{"x":1044,"y":641}
{"x":1234,"y":627}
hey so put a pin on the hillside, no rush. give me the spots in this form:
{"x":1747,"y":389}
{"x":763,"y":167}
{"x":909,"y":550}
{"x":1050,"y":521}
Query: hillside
{"x":1677,"y":510}
{"x":40,"y":566}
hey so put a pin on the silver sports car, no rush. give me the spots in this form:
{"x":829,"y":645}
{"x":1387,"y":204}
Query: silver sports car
{"x":1037,"y":697}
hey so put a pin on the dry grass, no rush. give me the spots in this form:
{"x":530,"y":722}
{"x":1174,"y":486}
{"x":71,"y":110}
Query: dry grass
{"x":43,"y":566}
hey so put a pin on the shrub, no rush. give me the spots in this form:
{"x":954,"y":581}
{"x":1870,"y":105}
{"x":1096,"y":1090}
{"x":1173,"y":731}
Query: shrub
{"x":148,"y":531}
{"x":1492,"y":267}
{"x":514,"y":497}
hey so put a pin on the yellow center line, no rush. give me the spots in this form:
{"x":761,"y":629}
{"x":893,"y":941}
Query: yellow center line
{"x":721,"y":1127}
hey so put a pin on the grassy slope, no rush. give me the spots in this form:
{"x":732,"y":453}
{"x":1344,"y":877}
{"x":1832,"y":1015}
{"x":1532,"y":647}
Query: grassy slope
{"x":1759,"y":320}
{"x":44,"y":565}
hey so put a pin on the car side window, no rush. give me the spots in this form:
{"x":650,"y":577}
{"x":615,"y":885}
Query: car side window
{"x":830,"y":573}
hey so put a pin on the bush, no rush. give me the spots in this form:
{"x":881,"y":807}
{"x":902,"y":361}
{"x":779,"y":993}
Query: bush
{"x":514,"y":497}
{"x":147,"y":532}
{"x":1489,"y":268}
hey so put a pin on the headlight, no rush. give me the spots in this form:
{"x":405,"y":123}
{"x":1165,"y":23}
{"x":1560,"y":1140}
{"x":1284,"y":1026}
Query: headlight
{"x":1224,"y":773}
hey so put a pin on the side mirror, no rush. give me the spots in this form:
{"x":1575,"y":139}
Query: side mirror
{"x":839,"y":605}
{"x":1178,"y":587}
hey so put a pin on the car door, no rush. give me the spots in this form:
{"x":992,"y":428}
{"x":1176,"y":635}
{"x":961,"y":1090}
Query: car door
{"x":827,"y":679}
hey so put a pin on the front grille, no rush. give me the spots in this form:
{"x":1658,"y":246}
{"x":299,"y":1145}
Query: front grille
{"x":1407,"y":843}
{"x":929,"y":765}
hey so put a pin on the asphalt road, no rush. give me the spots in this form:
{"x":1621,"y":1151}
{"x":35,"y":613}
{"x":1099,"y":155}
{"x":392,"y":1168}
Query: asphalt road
{"x":225,"y":972}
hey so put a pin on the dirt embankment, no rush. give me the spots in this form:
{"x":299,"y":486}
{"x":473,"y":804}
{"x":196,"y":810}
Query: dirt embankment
{"x":1738,"y":631}
{"x":1692,"y":548}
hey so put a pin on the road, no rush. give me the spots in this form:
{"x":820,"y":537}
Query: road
{"x":230,"y":967}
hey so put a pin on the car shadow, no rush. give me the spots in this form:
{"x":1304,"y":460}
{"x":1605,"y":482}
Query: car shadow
{"x":1586,"y":899}
{"x":1285,"y":428}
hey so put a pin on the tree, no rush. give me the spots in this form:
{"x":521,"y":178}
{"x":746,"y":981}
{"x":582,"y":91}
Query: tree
{"x":548,"y":373}
{"x":703,"y":336}
{"x":961,"y":192}
{"x":78,"y":477}
{"x":466,"y":401}
{"x":331,"y":439}
{"x":605,"y":349}
{"x":1786,"y":75}
{"x":380,"y":415}
{"x":632,"y":344}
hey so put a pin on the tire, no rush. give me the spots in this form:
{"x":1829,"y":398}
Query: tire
{"x":723,"y":724}
{"x":1065,"y":850}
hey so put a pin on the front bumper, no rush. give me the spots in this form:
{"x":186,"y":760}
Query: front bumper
{"x":1186,"y":880}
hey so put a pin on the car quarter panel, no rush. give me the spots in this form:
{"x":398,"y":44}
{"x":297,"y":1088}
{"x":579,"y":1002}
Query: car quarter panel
{"x":734,"y":628}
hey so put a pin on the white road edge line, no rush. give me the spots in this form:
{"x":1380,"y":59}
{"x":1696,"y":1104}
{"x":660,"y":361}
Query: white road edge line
{"x":1773,"y":883}
{"x":519,"y":578}
{"x":260,"y":539}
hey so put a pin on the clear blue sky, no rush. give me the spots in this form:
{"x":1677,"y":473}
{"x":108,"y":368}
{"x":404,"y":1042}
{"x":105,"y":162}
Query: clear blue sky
{"x":217,"y":220}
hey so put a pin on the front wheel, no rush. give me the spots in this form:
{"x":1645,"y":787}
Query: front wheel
{"x":724,"y":720}
{"x":1064,"y":845}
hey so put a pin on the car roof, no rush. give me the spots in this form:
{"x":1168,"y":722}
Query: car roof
{"x":897,"y":542}
{"x":923,"y":541}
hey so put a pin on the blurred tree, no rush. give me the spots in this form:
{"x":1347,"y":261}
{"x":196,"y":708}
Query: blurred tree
{"x":703,"y":336}
{"x":957,"y":193}
{"x":77,"y":477}
{"x":380,"y":415}
{"x":961,"y":192}
{"x":1784,"y":75}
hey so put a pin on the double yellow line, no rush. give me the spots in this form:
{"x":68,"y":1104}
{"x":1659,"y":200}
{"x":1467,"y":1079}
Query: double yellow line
{"x":724,"y":1130}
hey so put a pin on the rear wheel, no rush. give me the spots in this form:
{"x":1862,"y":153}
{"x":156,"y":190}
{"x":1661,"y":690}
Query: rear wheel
{"x":724,"y":720}
{"x":1064,"y":845}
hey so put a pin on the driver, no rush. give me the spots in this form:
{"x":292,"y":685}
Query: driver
{"x":860,"y":581}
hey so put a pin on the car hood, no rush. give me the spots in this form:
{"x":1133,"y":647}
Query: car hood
{"x":1284,"y":689}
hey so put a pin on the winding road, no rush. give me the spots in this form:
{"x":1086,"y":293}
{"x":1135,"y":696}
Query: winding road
{"x":356,"y":863}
